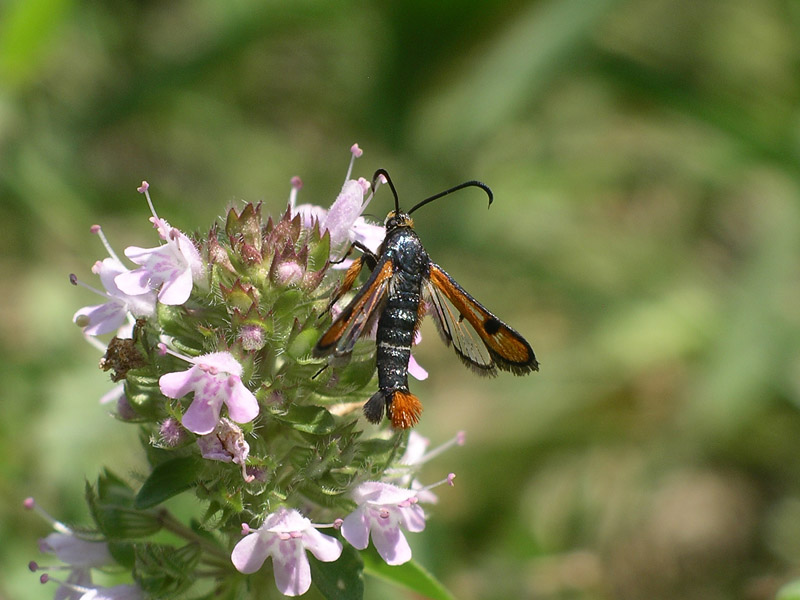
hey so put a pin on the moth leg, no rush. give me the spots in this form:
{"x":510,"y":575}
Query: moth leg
{"x":367,"y":257}
{"x":363,"y":249}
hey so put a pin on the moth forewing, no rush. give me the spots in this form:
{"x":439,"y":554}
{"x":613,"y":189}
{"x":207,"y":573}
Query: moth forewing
{"x":355,"y":319}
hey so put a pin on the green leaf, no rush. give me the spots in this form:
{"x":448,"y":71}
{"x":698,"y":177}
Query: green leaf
{"x":123,"y":552}
{"x":320,"y":252}
{"x":111,"y":507}
{"x":287,"y":302}
{"x":308,"y":419}
{"x":188,"y":337}
{"x":410,"y":575}
{"x":165,"y":571}
{"x":143,"y":394}
{"x":167,"y":480}
{"x":111,"y":489}
{"x":376,"y":454}
{"x":122,"y":523}
{"x":303,"y":343}
{"x":791,"y":591}
{"x":342,"y":579}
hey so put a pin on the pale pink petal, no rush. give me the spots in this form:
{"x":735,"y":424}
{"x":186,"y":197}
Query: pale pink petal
{"x":143,"y":305}
{"x":416,"y":447}
{"x":355,"y":529}
{"x":292,"y":571}
{"x":107,"y":270}
{"x":202,"y":416}
{"x":75,"y":551}
{"x":412,"y":518}
{"x":133,"y":283}
{"x":178,"y":384}
{"x":324,"y":547}
{"x":285,"y":521}
{"x":140,"y":255}
{"x":415,"y":370}
{"x":309,"y":212}
{"x":250,"y":553}
{"x":221,"y":361}
{"x":176,"y":289}
{"x":163,"y":264}
{"x":190,"y":254}
{"x":242,"y":404}
{"x":377,"y":492}
{"x":367,"y":233}
{"x":103,"y":318}
{"x":344,"y":211}
{"x":391,"y":544}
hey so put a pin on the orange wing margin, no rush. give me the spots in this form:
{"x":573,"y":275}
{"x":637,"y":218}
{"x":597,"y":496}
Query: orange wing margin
{"x":508,"y":348}
{"x":356,"y":315}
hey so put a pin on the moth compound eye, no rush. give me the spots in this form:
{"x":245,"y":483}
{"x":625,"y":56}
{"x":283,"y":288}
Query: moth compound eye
{"x":392,"y":221}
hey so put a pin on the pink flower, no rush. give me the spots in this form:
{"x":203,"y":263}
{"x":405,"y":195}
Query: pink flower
{"x":415,"y":456}
{"x":369,"y":234}
{"x":345,"y":211}
{"x":285,"y":535}
{"x":80,"y":557}
{"x":111,"y":315}
{"x":215,"y":379}
{"x":173,"y":266}
{"x":343,"y":220}
{"x":382,"y":510}
{"x":75,"y":551}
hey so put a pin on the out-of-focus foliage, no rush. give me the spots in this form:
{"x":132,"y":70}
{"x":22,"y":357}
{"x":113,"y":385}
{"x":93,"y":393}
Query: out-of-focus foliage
{"x":645,"y":237}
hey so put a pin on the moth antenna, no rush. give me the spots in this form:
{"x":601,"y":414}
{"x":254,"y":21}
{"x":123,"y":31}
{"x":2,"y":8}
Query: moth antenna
{"x":388,"y":179}
{"x":460,"y":186}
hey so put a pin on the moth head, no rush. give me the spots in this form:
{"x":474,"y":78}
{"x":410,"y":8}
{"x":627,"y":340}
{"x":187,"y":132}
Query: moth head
{"x":397,"y":219}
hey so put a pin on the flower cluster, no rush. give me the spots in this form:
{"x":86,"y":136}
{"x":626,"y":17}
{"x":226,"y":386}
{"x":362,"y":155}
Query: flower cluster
{"x":212,"y":356}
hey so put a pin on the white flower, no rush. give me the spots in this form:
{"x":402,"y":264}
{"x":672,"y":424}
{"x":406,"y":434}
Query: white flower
{"x":343,"y":220}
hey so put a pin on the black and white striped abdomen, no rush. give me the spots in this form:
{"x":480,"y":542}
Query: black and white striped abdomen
{"x":395,"y":335}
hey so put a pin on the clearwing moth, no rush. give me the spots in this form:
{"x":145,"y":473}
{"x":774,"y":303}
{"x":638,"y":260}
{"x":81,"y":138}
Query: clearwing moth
{"x":403,"y":286}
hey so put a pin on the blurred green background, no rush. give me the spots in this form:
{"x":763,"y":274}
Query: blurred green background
{"x":644,"y":159}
